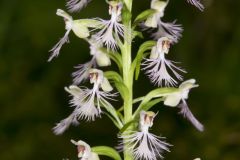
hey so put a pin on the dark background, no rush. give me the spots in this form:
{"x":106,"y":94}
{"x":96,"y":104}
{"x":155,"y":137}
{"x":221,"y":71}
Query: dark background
{"x":32,"y":98}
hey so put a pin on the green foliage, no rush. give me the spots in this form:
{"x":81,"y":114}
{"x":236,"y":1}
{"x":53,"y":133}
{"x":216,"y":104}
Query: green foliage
{"x":118,"y":82}
{"x":113,"y":114}
{"x":143,"y":16}
{"x":127,"y":125}
{"x":116,"y":57}
{"x":107,"y":151}
{"x":136,"y":65}
{"x":126,"y":14}
{"x":159,"y":92}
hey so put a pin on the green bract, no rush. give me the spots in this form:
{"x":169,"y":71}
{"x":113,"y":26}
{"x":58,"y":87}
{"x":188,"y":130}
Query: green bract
{"x":107,"y":151}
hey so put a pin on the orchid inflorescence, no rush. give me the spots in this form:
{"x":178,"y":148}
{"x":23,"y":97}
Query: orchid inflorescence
{"x":111,"y":41}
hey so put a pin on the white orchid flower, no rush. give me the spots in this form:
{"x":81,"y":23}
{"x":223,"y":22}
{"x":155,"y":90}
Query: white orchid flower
{"x":76,"y":5}
{"x":82,"y":72}
{"x":142,"y":144}
{"x":65,"y":124}
{"x":79,"y":29}
{"x":99,"y":58}
{"x":87,"y":101}
{"x":170,"y":30}
{"x":111,"y":30}
{"x":84,"y":151}
{"x":179,"y":99}
{"x":157,"y":65}
{"x":102,"y":59}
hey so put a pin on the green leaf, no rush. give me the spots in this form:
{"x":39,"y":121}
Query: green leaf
{"x":116,"y":57}
{"x":156,"y":93}
{"x":112,"y":75}
{"x":120,"y":115}
{"x":106,"y":151}
{"x":143,"y":16}
{"x":137,"y":34}
{"x":118,"y":81}
{"x":123,"y":90}
{"x":137,"y":61}
{"x":151,"y":103}
{"x":126,"y":14}
{"x":113,"y":120}
{"x":127,"y":125}
{"x":111,"y":110}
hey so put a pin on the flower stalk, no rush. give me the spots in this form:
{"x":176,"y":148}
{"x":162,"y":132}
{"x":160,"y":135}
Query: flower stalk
{"x":127,"y":75}
{"x":111,"y":41}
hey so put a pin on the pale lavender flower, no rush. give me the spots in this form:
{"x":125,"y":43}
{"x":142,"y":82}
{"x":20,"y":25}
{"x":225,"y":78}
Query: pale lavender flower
{"x":76,"y":5}
{"x":142,"y":144}
{"x":79,"y":28}
{"x":65,"y":124}
{"x":197,"y":4}
{"x":179,"y":98}
{"x":89,"y":101}
{"x":99,"y":58}
{"x":82,"y":72}
{"x":157,"y":65}
{"x":170,"y":30}
{"x":102,"y":59}
{"x":86,"y":102}
{"x":84,"y":151}
{"x":111,"y":30}
{"x":68,"y":26}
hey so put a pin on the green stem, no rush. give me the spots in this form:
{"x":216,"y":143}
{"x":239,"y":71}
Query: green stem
{"x":127,"y":79}
{"x":127,"y":75}
{"x":128,"y":4}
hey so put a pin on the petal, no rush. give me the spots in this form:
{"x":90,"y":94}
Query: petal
{"x":76,"y":5}
{"x":64,"y":124}
{"x":185,"y":111}
{"x":56,"y":49}
{"x":172,"y":100}
{"x":197,"y":4}
{"x":74,"y":90}
{"x":102,"y":59}
{"x":79,"y":29}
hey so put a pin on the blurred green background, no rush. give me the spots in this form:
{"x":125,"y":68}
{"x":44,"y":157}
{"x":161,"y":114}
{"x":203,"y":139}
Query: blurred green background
{"x":32,"y":98}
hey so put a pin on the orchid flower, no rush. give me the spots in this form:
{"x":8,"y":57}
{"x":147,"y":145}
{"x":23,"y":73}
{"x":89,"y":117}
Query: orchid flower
{"x":99,"y":58}
{"x":112,"y":39}
{"x":170,"y":30}
{"x":84,"y":151}
{"x":87,"y":101}
{"x":142,"y":144}
{"x":65,"y":124}
{"x":83,"y":71}
{"x":79,"y":29}
{"x":76,"y":5}
{"x":157,"y":66}
{"x":179,"y":99}
{"x":102,"y":59}
{"x":111,"y":30}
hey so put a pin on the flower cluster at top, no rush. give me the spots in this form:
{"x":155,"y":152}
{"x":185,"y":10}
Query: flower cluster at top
{"x":107,"y":41}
